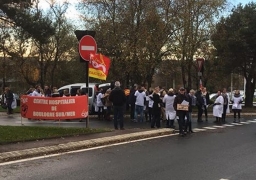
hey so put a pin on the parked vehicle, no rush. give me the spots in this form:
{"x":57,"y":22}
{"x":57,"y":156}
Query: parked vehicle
{"x":72,"y":89}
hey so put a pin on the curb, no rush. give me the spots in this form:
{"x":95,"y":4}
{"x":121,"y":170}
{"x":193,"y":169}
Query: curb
{"x":33,"y":152}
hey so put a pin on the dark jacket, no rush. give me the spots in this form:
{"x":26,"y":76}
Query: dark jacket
{"x":189,"y":97}
{"x":199,"y":98}
{"x":157,"y":104}
{"x":9,"y":95}
{"x":117,"y":97}
{"x":132,"y":98}
{"x":178,"y":100}
{"x":207,"y":98}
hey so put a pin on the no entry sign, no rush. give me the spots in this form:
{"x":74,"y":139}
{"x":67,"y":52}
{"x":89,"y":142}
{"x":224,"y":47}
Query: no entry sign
{"x":87,"y":46}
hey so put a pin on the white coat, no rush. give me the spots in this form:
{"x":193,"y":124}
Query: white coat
{"x":169,"y":110}
{"x":237,"y":102}
{"x":218,"y":109}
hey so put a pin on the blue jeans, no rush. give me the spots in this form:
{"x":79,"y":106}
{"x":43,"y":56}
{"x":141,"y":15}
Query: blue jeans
{"x":139,"y":111}
{"x":119,"y":115}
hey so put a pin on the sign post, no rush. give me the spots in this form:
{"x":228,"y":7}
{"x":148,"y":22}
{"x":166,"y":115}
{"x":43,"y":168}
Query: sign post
{"x":200,"y":63}
{"x":87,"y":45}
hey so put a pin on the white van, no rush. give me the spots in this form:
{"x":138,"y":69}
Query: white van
{"x":72,"y":89}
{"x":106,"y":86}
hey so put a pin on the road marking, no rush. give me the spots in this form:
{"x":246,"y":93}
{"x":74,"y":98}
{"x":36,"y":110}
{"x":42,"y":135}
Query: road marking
{"x":211,"y":128}
{"x":237,"y":124}
{"x":228,"y":125}
{"x":245,"y":122}
{"x":219,"y":126}
{"x":254,"y":120}
{"x":198,"y":130}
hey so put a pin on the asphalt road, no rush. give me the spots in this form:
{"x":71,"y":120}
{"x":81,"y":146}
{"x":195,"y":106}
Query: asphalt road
{"x":224,"y":153}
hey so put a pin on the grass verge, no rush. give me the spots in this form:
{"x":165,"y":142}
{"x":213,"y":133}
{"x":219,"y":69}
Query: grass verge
{"x":11,"y":134}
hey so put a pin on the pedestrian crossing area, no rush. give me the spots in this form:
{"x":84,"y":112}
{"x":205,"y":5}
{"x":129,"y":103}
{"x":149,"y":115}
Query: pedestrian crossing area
{"x":221,"y":126}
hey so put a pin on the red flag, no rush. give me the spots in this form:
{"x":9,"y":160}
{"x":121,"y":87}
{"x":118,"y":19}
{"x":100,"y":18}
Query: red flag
{"x":99,"y":66}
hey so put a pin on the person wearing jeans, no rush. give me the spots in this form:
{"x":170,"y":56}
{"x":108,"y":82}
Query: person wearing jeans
{"x":118,"y":98}
{"x":139,"y":103}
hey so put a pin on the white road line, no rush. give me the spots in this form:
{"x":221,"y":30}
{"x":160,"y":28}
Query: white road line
{"x":245,"y":123}
{"x":197,"y":129}
{"x":237,"y":124}
{"x":228,"y":125}
{"x":254,"y":120}
{"x":219,"y":126}
{"x":211,"y":128}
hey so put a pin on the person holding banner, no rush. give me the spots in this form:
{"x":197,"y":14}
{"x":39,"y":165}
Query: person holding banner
{"x":117,"y":97}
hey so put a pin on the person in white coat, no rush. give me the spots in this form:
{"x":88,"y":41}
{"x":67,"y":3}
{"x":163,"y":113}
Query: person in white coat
{"x":170,"y":112}
{"x":218,"y":107}
{"x":237,"y":105}
{"x":226,"y":109}
{"x":100,"y":104}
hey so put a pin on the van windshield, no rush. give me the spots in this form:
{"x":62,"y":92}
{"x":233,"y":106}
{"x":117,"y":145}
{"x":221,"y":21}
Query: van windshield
{"x":85,"y":90}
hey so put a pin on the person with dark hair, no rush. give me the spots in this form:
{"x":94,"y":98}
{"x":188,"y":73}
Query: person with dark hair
{"x":237,"y":105}
{"x":132,"y":100}
{"x":192,"y":102}
{"x":47,"y":91}
{"x":206,"y":101}
{"x":181,"y":113}
{"x":37,"y":91}
{"x":139,"y":103}
{"x":218,"y":107}
{"x":199,"y":104}
{"x":117,"y":97}
{"x":156,"y":109}
{"x":225,"y":104}
{"x":150,"y":104}
{"x":107,"y":105}
{"x":100,"y":104}
{"x":9,"y":99}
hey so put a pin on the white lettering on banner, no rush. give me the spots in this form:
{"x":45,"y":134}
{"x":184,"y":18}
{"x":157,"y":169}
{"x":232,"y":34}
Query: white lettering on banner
{"x":40,"y":101}
{"x":64,"y":114}
{"x":62,"y":101}
{"x":43,"y":114}
{"x":54,"y":108}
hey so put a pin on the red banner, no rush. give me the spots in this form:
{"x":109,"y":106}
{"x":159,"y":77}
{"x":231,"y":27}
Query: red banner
{"x":49,"y":108}
{"x":99,"y":66}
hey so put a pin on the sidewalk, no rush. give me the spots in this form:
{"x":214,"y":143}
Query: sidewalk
{"x":132,"y":131}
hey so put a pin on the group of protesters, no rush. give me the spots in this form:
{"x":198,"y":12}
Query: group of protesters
{"x":40,"y":92}
{"x":157,"y":104}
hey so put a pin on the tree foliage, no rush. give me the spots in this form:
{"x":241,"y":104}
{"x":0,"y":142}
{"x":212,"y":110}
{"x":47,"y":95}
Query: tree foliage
{"x":235,"y":41}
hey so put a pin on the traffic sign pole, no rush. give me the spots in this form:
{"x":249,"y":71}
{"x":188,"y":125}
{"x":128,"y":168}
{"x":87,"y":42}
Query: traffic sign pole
{"x":80,"y":35}
{"x":200,"y":63}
